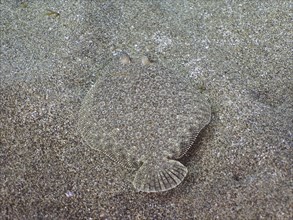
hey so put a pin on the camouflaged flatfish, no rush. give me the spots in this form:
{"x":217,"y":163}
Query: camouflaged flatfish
{"x":144,"y":117}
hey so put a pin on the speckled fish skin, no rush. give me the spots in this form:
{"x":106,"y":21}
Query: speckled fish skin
{"x":144,"y":117}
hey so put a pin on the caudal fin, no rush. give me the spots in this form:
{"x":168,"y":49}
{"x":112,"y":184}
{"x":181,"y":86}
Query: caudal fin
{"x":159,"y":176}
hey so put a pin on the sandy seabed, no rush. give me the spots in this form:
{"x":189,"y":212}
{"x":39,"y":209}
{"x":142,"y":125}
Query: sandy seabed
{"x":236,"y":52}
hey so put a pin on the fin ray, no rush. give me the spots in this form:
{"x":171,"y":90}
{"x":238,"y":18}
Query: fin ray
{"x":159,"y":176}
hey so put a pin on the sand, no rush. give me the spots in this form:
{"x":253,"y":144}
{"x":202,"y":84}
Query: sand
{"x":238,"y":53}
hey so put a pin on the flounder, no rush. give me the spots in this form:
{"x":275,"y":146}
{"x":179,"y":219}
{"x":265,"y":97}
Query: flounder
{"x":144,"y":117}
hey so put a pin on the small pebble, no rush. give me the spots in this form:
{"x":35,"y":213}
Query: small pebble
{"x":69,"y":194}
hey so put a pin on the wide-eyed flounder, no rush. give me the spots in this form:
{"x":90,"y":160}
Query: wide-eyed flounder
{"x":144,"y":117}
